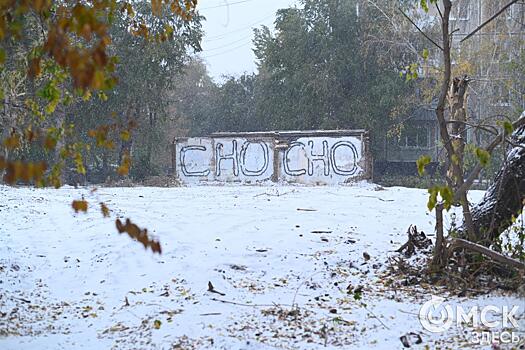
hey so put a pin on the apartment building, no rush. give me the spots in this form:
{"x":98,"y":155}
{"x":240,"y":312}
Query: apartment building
{"x":492,"y":58}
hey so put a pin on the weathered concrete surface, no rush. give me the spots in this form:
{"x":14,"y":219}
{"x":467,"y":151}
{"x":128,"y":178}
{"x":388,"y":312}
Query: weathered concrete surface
{"x":307,"y":157}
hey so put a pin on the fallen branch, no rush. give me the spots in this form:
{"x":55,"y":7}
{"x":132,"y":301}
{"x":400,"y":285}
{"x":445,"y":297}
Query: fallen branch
{"x":374,"y":315}
{"x":299,"y":287}
{"x":245,"y":304}
{"x":21,"y":299}
{"x":415,"y":240}
{"x":456,"y":243}
{"x":381,"y":199}
{"x":273,"y":194}
{"x":212,"y":289}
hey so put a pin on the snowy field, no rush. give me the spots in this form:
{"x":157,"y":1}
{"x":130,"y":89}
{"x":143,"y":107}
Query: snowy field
{"x":285,"y":262}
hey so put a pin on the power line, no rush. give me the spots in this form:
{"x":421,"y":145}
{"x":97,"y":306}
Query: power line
{"x":225,"y":5}
{"x":250,"y":26}
{"x":227,"y":51}
{"x":229,"y":44}
{"x":222,"y":36}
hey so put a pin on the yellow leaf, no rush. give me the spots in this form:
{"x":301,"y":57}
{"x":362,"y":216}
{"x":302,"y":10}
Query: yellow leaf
{"x":98,"y":80}
{"x":80,"y":205}
{"x":156,"y":7}
{"x":50,"y":143}
{"x":125,"y":135}
{"x":104,"y":209}
{"x":34,"y":68}
{"x":123,"y":169}
{"x":12,"y":141}
{"x":87,"y":95}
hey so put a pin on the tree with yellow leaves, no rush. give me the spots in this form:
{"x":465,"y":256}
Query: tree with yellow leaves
{"x":54,"y":56}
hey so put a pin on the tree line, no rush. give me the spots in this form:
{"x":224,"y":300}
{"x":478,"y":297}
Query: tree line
{"x":319,"y":69}
{"x":329,"y":64}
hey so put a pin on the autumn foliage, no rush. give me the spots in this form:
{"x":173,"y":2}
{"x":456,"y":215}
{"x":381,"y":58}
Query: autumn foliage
{"x":64,"y":49}
{"x":138,"y":234}
{"x":78,"y":33}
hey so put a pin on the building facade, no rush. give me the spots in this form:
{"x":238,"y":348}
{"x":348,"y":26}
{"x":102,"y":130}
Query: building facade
{"x":492,"y":58}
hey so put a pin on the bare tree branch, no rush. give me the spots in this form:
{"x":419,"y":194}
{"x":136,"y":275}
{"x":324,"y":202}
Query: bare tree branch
{"x":489,"y":20}
{"x":439,"y":11}
{"x":485,"y":127}
{"x":419,"y":29}
{"x":477,"y":169}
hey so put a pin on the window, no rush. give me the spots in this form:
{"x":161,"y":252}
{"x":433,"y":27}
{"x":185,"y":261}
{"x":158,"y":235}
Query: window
{"x":500,"y":95}
{"x":415,"y":136}
{"x":503,"y":50}
{"x":460,"y":10}
{"x":515,"y":13}
{"x":509,"y":13}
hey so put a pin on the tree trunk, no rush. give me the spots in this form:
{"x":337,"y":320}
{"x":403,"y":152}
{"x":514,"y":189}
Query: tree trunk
{"x":125,"y":145}
{"x":458,"y":119}
{"x":458,"y":135}
{"x":504,"y":198}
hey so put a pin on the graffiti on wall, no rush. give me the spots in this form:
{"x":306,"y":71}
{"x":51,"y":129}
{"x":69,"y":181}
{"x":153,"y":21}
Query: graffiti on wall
{"x":328,"y":158}
{"x":304,"y":160}
{"x":226,"y":159}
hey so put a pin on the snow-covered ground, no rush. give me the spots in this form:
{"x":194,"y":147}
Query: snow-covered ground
{"x":287,"y":259}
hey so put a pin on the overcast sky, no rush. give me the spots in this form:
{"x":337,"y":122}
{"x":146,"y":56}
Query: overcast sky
{"x":227,"y":44}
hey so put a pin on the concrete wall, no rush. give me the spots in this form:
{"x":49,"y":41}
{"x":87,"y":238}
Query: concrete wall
{"x":316,"y":157}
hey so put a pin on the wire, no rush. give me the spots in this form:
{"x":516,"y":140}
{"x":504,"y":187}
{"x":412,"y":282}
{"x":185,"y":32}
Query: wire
{"x":227,"y":51}
{"x":229,"y":44}
{"x":221,"y":36}
{"x":225,"y":5}
{"x":250,"y":26}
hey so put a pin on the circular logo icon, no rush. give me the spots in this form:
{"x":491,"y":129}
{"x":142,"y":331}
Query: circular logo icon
{"x":434,"y":317}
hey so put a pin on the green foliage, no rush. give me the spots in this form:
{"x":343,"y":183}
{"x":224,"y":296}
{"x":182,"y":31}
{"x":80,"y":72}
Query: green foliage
{"x":483,"y":156}
{"x":446,"y":196}
{"x":508,"y":127}
{"x":432,"y":199}
{"x":143,"y":167}
{"x":424,"y":4}
{"x":410,"y":72}
{"x":358,"y":294}
{"x":421,"y":163}
{"x":51,"y":93}
{"x":157,"y":324}
{"x":425,"y":54}
{"x":470,"y":160}
{"x":76,"y":35}
{"x":317,"y":71}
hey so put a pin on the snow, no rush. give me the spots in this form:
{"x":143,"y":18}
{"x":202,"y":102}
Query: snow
{"x":284,"y":257}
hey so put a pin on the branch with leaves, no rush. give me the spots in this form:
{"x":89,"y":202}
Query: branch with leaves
{"x":61,"y":54}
